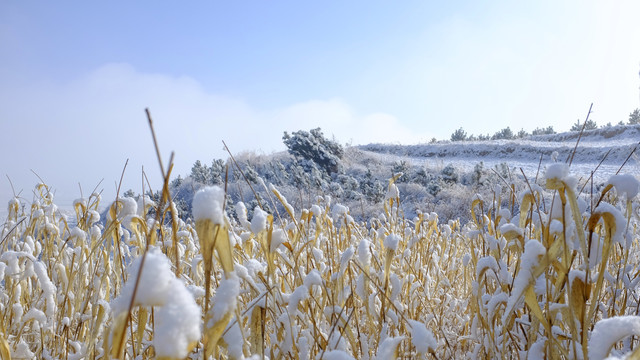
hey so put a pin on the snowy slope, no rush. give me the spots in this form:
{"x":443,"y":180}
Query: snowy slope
{"x":613,"y":144}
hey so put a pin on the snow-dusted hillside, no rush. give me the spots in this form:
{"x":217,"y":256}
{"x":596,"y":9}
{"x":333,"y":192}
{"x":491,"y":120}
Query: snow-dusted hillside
{"x":616,"y":143}
{"x":441,"y":176}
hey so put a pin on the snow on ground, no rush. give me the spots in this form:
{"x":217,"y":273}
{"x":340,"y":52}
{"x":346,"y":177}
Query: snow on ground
{"x":526,"y":153}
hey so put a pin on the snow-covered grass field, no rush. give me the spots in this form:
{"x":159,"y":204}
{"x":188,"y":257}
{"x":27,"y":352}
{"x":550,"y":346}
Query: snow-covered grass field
{"x":542,"y":273}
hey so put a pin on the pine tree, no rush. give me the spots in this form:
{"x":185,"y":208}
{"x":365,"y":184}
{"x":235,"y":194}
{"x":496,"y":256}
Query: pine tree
{"x":634,"y":117}
{"x":315,"y":147}
{"x":200,"y":173}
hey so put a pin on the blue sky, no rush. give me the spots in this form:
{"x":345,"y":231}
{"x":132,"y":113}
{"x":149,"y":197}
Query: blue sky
{"x":75,"y":77}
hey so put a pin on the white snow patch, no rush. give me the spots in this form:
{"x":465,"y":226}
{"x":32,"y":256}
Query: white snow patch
{"x":511,"y":227}
{"x":391,"y":241}
{"x":625,"y":184}
{"x":259,"y":220}
{"x":558,"y":171}
{"x":278,"y":238}
{"x":620,"y":221}
{"x":337,"y":355}
{"x":313,"y":278}
{"x":533,"y":250}
{"x":298,"y":295}
{"x":422,"y":338}
{"x":316,"y":210}
{"x":241,"y":212}
{"x":226,"y":297}
{"x":485,"y":263}
{"x":607,"y":332}
{"x":392,"y":192}
{"x":364,"y":253}
{"x":338,"y":211}
{"x":234,"y":340}
{"x":208,"y":204}
{"x":387,"y":349}
{"x":178,"y":316}
{"x":345,"y":257}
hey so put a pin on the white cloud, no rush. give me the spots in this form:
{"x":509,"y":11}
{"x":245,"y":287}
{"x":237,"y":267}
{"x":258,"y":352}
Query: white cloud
{"x":85,"y":130}
{"x":337,"y":118}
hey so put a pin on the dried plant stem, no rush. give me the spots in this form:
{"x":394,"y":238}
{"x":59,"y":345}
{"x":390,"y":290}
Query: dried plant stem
{"x":573,"y":153}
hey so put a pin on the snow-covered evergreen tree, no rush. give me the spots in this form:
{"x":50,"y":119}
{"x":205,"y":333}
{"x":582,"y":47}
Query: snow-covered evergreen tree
{"x":450,"y":174}
{"x":315,"y":147}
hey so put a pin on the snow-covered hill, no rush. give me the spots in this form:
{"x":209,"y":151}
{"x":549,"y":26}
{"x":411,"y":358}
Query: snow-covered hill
{"x":611,"y":144}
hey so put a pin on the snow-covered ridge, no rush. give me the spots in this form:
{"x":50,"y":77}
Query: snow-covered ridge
{"x":620,"y":133}
{"x":594,"y":145}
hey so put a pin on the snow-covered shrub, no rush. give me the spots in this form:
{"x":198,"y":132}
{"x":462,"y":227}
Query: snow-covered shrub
{"x":504,"y":134}
{"x":400,"y":167}
{"x":450,"y":174}
{"x":372,"y":188}
{"x":502,"y":170}
{"x":350,"y":186}
{"x":478,"y":176}
{"x":315,"y":147}
{"x":200,"y":173}
{"x":589,"y":125}
{"x":205,"y":175}
{"x":275,"y":172}
{"x":634,"y":117}
{"x":459,"y":135}
{"x":250,"y":173}
{"x":433,"y":187}
{"x":543,"y":131}
{"x":422,"y":176}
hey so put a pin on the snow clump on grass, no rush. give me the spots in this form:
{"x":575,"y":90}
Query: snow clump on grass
{"x":607,"y":332}
{"x":388,"y":349}
{"x":208,"y":203}
{"x":259,"y":220}
{"x":626,"y":185}
{"x":391,"y":241}
{"x":422,"y":338}
{"x":178,"y":318}
{"x":225,"y":298}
